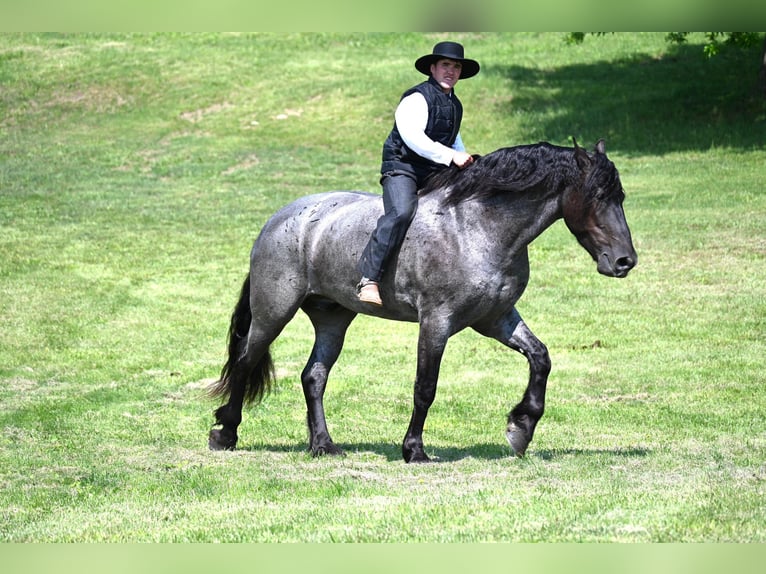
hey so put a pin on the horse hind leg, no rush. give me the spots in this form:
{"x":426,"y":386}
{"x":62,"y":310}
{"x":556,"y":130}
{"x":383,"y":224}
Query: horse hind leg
{"x":248,"y":379}
{"x":330,"y":324}
{"x":248,"y":372}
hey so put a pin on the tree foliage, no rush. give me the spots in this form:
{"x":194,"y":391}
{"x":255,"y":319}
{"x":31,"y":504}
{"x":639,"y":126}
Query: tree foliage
{"x":715,"y":41}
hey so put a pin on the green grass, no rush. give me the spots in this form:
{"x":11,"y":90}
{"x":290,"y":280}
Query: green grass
{"x":135,"y":171}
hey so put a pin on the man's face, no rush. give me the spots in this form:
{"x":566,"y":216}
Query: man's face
{"x":446,"y":72}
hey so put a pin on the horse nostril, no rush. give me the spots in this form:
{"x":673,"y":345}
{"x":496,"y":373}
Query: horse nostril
{"x":625,"y":264}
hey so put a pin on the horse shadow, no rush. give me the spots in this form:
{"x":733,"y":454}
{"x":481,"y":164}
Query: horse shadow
{"x":482,"y":451}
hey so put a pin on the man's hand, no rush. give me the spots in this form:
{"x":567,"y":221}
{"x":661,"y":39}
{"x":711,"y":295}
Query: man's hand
{"x":462,"y":159}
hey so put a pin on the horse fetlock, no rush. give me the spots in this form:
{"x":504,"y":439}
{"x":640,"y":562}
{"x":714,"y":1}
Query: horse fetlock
{"x":412,"y":451}
{"x":517,"y":438}
{"x":222,"y":439}
{"x":519,"y":432}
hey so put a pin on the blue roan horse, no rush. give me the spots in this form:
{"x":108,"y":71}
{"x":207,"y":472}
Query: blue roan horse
{"x":463,"y":264}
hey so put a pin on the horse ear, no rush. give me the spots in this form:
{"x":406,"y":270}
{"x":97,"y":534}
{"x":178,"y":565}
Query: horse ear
{"x":601,"y":146}
{"x":581,"y":156}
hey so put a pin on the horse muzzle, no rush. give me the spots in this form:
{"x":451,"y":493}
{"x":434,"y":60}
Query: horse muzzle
{"x":612,"y":266}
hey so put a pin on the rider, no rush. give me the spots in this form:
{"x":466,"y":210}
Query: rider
{"x":425,"y":139}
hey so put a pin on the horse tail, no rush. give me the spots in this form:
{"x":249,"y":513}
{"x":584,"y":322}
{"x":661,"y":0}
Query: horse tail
{"x":257,"y":379}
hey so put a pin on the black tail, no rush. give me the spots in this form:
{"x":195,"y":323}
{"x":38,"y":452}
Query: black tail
{"x":257,"y":379}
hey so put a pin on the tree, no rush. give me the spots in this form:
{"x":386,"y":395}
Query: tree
{"x":715,"y":42}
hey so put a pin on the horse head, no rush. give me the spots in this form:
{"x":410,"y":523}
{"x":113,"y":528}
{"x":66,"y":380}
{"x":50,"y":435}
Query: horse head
{"x":593,"y":213}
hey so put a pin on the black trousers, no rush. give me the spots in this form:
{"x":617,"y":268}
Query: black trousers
{"x":400,"y":202}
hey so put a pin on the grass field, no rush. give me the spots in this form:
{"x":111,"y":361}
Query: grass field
{"x":135,"y":172}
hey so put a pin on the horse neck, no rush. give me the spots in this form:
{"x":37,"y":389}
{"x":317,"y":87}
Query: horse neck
{"x":515,"y":219}
{"x":530,"y":185}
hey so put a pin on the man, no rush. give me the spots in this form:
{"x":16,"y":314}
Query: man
{"x":425,"y":139}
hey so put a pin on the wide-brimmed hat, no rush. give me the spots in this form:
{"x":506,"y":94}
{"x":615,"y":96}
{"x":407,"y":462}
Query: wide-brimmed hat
{"x":451,"y":50}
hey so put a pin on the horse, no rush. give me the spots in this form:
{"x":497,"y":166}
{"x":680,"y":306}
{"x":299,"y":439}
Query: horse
{"x":464,"y":263}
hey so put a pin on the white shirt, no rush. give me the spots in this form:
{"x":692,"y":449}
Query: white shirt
{"x":411,"y":120}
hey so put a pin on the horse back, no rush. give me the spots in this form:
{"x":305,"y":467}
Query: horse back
{"x":317,"y":237}
{"x":322,"y":215}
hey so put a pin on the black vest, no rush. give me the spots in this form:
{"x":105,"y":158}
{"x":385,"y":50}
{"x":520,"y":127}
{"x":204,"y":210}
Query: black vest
{"x":444,"y":115}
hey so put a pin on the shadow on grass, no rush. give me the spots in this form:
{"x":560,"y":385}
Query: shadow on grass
{"x":643,"y":104}
{"x":618,"y":452}
{"x":494,"y":451}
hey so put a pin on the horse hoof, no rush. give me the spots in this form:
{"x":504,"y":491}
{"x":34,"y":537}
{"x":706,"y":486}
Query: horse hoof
{"x":221,"y":440}
{"x":327,"y":449}
{"x":417,"y":458}
{"x":517,"y":438}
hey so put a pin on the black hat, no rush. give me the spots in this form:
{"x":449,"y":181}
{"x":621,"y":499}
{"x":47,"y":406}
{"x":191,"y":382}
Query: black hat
{"x":451,"y":50}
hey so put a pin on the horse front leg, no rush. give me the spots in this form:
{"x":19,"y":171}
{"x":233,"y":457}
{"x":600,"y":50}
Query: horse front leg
{"x":523,"y":418}
{"x":430,"y":351}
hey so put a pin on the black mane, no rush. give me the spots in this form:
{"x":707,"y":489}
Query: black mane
{"x":519,"y":169}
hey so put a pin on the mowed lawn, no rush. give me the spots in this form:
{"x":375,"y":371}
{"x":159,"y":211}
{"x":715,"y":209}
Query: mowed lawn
{"x":135,"y":172}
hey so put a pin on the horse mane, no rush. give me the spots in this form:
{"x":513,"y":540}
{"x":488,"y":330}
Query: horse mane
{"x":512,"y":169}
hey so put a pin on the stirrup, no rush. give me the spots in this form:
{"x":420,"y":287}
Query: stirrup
{"x":368,"y":292}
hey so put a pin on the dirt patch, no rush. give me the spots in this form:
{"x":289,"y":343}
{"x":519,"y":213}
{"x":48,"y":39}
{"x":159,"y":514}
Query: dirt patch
{"x":289,"y":113}
{"x":250,"y":161}
{"x":197,"y":115}
{"x":20,"y":385}
{"x":94,"y":99}
{"x":145,"y":160}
